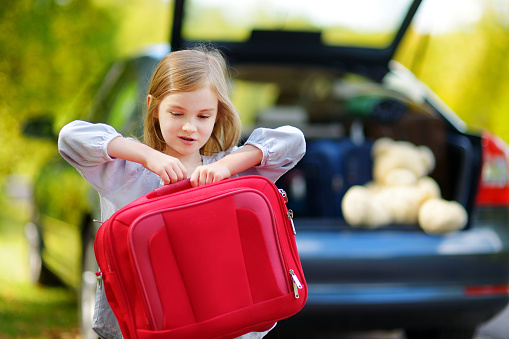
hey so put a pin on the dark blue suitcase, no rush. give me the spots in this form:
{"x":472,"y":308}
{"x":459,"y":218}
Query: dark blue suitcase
{"x":317,"y":184}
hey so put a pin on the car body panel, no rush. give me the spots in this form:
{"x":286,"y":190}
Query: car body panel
{"x":356,"y":257}
{"x":401,"y":279}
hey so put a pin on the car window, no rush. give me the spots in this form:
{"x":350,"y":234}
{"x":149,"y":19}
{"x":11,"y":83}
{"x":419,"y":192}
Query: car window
{"x":252,"y":97}
{"x":284,"y":95}
{"x":369,"y":23}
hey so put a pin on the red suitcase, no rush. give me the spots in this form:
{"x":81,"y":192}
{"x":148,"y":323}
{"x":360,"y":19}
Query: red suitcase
{"x":215,"y":261}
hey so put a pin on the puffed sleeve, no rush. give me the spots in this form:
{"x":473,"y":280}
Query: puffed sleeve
{"x":85,"y":146}
{"x":282,"y":149}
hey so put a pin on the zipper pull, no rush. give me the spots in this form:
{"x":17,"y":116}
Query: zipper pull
{"x":290,"y":212}
{"x":296,"y":284}
{"x":284,"y":195}
{"x":290,"y":216}
{"x":99,"y":276}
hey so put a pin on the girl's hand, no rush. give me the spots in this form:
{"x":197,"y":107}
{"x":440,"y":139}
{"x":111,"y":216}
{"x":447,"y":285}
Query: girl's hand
{"x":169,"y":168}
{"x":234,"y":163}
{"x":208,"y":174}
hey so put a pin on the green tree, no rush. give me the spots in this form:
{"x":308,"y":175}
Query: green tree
{"x":48,"y":52}
{"x":467,"y":67}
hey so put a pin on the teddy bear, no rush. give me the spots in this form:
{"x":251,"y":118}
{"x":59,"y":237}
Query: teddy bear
{"x":402,"y":192}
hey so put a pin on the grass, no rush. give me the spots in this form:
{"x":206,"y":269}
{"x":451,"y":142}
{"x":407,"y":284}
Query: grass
{"x":28,"y":310}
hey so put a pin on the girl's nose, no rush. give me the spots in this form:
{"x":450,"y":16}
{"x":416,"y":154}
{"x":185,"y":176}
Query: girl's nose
{"x":189,"y":127}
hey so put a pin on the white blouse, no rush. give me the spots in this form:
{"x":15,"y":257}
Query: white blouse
{"x":84,"y":145}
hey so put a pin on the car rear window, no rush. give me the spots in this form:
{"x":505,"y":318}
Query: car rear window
{"x":366,"y":23}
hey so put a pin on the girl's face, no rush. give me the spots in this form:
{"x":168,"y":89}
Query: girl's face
{"x":187,"y":120}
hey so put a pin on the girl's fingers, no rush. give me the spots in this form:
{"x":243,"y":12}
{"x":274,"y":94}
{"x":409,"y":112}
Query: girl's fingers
{"x":177,"y":174}
{"x":182,"y":173}
{"x":198,"y":178}
{"x":165,"y":177}
{"x":211,"y":178}
{"x":207,"y":175}
{"x":173,"y":176}
{"x":173,"y":173}
{"x":203,"y":178}
{"x":170,"y":169}
{"x":193,"y":179}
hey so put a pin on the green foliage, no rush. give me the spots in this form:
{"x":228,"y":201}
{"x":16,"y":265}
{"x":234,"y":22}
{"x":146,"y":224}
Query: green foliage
{"x":49,"y":53}
{"x":53,"y":52}
{"x":141,"y":22}
{"x":468,"y":69}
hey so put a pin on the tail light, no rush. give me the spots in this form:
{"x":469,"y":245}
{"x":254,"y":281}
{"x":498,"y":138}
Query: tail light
{"x":486,"y":290}
{"x":494,"y":181}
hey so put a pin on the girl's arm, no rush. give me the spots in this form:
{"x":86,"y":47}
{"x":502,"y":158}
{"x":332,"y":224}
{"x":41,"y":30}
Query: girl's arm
{"x":282,"y":148}
{"x":100,"y":154}
{"x":267,"y":152}
{"x":83,"y":145}
{"x":170,"y":169}
{"x":234,"y":163}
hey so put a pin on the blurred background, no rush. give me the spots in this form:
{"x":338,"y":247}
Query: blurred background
{"x":53,"y":53}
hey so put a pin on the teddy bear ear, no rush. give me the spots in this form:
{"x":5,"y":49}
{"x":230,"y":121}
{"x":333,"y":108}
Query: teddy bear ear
{"x":428,"y":157}
{"x":381,"y":145}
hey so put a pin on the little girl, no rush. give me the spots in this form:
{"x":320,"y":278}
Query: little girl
{"x":191,"y":131}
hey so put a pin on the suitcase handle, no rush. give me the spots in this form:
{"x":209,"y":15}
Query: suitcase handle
{"x":170,"y":189}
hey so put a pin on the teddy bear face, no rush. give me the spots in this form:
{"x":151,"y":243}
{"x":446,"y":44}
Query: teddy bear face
{"x":390,"y":155}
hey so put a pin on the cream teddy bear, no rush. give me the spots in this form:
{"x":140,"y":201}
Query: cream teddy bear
{"x":401,"y":192}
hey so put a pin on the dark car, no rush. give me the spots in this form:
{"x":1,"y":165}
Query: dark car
{"x":323,"y":67}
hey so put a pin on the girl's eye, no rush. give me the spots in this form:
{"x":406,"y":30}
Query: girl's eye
{"x":203,"y":116}
{"x":176,"y":114}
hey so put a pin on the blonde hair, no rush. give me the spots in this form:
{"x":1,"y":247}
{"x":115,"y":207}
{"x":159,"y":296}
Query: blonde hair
{"x":189,"y":70}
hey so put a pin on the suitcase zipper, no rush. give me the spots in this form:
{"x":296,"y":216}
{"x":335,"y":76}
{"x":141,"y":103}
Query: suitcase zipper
{"x":284,"y":195}
{"x":99,"y":276}
{"x":296,"y":283}
{"x":290,"y":216}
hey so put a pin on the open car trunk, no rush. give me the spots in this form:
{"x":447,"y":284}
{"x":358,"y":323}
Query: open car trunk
{"x":342,"y":115}
{"x":325,"y":67}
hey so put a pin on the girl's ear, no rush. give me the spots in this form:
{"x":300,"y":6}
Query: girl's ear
{"x":149,"y":100}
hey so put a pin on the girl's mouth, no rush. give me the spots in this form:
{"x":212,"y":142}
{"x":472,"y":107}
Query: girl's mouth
{"x":187,"y":140}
